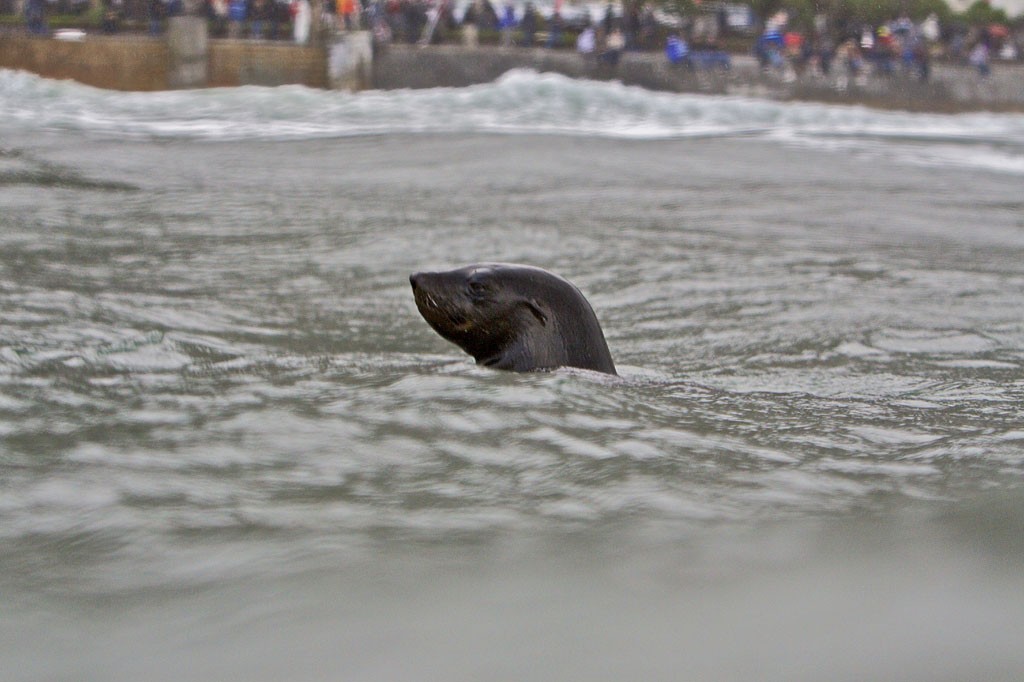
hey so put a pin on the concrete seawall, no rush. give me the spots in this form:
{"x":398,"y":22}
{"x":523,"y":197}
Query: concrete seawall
{"x":246,"y":62}
{"x":128,"y":63}
{"x":950,"y":88}
{"x":186,"y":58}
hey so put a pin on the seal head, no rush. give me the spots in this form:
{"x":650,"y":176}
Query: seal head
{"x":514,"y":317}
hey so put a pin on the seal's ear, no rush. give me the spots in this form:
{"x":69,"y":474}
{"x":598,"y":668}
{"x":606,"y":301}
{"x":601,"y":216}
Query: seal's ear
{"x":538,"y":312}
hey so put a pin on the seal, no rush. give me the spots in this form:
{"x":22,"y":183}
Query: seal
{"x":514,"y":317}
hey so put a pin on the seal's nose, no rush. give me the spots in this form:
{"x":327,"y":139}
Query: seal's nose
{"x":414,"y":280}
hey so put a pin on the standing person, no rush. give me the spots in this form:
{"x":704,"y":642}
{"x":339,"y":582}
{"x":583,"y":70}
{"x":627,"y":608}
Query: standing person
{"x":614,"y":45}
{"x":825,"y":51}
{"x":346,"y":12}
{"x":769,"y":48}
{"x":411,"y":20}
{"x":328,"y":16}
{"x":529,"y":25}
{"x":302,"y":16}
{"x":849,"y":54}
{"x":609,"y":20}
{"x":507,"y":24}
{"x":884,"y":49}
{"x":648,"y":29}
{"x":35,"y":17}
{"x":923,"y":59}
{"x":586,"y":42}
{"x":555,"y":29}
{"x":470,"y":20}
{"x":395,"y":19}
{"x":113,"y":10}
{"x":281,"y":14}
{"x":678,"y":52}
{"x":261,"y":14}
{"x":219,"y":10}
{"x":631,"y":21}
{"x":156,"y":16}
{"x":793,"y":47}
{"x":930,"y":28}
{"x":377,"y":18}
{"x":979,"y":58}
{"x":236,"y":17}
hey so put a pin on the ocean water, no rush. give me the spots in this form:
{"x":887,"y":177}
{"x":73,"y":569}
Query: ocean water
{"x":231,"y":449}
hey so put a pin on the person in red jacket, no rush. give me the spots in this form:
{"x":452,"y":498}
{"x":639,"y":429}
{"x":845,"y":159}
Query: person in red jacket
{"x":346,"y":12}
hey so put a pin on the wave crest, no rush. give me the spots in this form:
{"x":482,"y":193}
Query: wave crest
{"x":520,"y":102}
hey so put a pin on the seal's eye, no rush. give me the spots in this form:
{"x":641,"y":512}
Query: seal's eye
{"x":477,"y":289}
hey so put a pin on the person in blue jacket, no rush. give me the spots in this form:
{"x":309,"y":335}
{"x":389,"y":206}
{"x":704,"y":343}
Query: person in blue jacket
{"x":678,"y":52}
{"x":769,"y":48}
{"x":237,"y":11}
{"x":507,"y":24}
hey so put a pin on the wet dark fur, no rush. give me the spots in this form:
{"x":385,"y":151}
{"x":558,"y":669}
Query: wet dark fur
{"x":514,"y":317}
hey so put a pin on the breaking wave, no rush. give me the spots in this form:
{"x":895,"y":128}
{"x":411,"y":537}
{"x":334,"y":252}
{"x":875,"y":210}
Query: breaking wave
{"x":520,"y":102}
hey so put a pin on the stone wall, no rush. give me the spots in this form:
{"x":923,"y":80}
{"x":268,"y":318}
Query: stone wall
{"x":248,"y":62}
{"x":950,"y":87}
{"x":190,"y":60}
{"x":139,"y":63}
{"x":409,"y":66}
{"x":122,"y":63}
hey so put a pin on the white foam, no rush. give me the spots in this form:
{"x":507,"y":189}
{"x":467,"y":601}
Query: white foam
{"x":520,"y":102}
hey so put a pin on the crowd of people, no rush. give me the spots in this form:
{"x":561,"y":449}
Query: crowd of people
{"x":899,"y":45}
{"x":602,"y":31}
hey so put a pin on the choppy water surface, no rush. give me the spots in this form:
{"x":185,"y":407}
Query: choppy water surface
{"x":230,"y":448}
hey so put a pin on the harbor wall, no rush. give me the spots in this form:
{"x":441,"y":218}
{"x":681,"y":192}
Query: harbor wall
{"x":122,"y":63}
{"x":948,"y":88}
{"x":248,"y":62}
{"x":185,"y":58}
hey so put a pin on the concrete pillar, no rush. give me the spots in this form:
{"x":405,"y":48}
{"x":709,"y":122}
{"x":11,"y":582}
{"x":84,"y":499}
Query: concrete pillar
{"x":189,"y":54}
{"x":350,"y":61}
